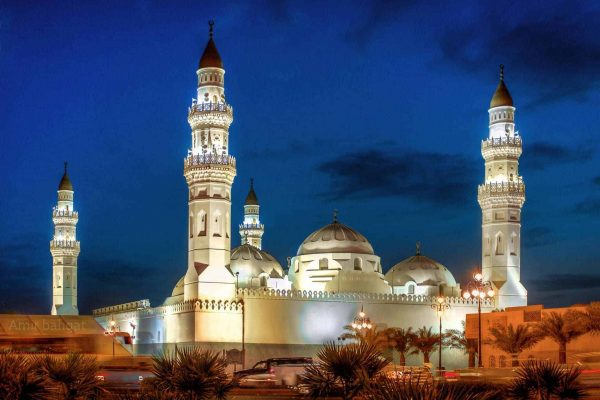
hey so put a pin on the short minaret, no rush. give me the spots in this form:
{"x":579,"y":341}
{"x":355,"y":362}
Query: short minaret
{"x":209,"y":171}
{"x":251,"y":230}
{"x":64,"y":248}
{"x":501,"y":198}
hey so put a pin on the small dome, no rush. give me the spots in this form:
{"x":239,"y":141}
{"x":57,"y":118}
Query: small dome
{"x":421,"y":270}
{"x":335,"y":238}
{"x":251,"y":199}
{"x":251,"y":261}
{"x":178,"y":289}
{"x":65,"y":182}
{"x":210,"y":58}
{"x":501,"y":96}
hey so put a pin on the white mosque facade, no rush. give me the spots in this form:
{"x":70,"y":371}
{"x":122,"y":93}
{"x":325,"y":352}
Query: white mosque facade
{"x":243,"y":298}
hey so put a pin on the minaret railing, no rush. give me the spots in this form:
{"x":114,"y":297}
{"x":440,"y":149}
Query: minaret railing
{"x":210,"y":107}
{"x":208,"y":158}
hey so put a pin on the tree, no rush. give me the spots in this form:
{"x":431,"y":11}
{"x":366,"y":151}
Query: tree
{"x":590,"y":318}
{"x":562,"y":329}
{"x":17,"y":381}
{"x":372,"y":335}
{"x":425,"y":342}
{"x":343,"y":370}
{"x":192,"y":373}
{"x":457,"y":339}
{"x":400,"y":339}
{"x":73,"y":376}
{"x":513,"y":340}
{"x":544,"y":380}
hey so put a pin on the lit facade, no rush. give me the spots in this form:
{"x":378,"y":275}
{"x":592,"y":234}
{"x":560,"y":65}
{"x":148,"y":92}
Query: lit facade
{"x":231,"y":298}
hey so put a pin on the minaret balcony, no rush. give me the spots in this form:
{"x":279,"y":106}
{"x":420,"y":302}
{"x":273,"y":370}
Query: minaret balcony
{"x":251,"y":227}
{"x":217,"y":114}
{"x":506,"y":147}
{"x":65,"y":213}
{"x":194,"y":160}
{"x":64,"y":244}
{"x":511,"y":193}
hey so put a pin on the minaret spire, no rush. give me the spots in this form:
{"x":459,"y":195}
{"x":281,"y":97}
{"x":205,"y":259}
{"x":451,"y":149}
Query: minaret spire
{"x":211,"y":25}
{"x":501,"y":72}
{"x":64,"y":248}
{"x":252,"y":230}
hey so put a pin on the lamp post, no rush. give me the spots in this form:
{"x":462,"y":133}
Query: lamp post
{"x":440,"y":306}
{"x":480,"y":290}
{"x":113,"y":328}
{"x":361,"y":321}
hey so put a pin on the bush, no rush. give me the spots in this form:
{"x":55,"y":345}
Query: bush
{"x":544,"y":380}
{"x":17,"y":381}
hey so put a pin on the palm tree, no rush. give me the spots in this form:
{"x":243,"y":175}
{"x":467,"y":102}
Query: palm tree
{"x":425,"y":341}
{"x":17,"y":382}
{"x":191,"y":373}
{"x":590,"y":318}
{"x":343,"y":370}
{"x":400,"y":339}
{"x":545,"y":380}
{"x":457,"y":339}
{"x":513,"y":340}
{"x":562,"y":329}
{"x":372,"y":335}
{"x":73,"y":375}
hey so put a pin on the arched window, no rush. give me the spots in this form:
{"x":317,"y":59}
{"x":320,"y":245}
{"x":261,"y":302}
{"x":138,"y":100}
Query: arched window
{"x":502,"y":361}
{"x":513,"y":244}
{"x":357,"y":264}
{"x":499,"y":244}
{"x":263,"y":280}
{"x":191,"y":226}
{"x":492,"y":361}
{"x":487,"y":244}
{"x":202,"y":223}
{"x":411,"y":288}
{"x":215,"y":99}
{"x":323,"y":264}
{"x":217,"y":224}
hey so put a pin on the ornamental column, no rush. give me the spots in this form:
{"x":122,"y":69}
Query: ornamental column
{"x":209,"y":171}
{"x":64,"y":248}
{"x":501,"y":198}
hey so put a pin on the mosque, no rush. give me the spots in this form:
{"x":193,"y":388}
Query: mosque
{"x":244,"y":298}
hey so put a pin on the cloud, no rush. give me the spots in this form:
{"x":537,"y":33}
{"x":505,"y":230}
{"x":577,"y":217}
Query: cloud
{"x":588,"y":207}
{"x":540,"y":155}
{"x":553,"y":282}
{"x":553,"y":48}
{"x":537,"y":236}
{"x":378,"y":13}
{"x":438,"y":178}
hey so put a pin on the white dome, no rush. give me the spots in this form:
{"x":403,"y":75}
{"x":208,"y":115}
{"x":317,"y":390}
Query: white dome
{"x":420,"y":269}
{"x":178,"y":289}
{"x":251,"y":261}
{"x":335,"y":238}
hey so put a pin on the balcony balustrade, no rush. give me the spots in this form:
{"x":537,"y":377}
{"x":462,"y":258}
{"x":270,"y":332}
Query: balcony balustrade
{"x":208,"y":158}
{"x":64,"y":244}
{"x":210,"y":107}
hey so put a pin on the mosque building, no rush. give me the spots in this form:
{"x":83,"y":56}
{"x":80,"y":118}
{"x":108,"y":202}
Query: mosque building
{"x":244,"y":298}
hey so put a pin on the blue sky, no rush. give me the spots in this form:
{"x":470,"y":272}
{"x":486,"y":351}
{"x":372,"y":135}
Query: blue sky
{"x":374,"y":108}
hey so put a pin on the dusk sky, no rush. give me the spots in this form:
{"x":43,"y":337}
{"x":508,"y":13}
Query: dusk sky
{"x":376,"y":109}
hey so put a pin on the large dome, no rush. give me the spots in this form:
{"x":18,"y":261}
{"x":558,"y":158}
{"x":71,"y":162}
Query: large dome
{"x":420,"y":269}
{"x":251,"y":261}
{"x":335,"y":238}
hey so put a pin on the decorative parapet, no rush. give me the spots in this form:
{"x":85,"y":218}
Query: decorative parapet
{"x":309,"y":295}
{"x":213,"y":114}
{"x":207,"y":159}
{"x":64,"y":244}
{"x":131,"y":306}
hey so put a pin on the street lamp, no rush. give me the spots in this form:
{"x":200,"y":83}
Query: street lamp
{"x":440,"y":306}
{"x":479,"y":290}
{"x":361,"y":321}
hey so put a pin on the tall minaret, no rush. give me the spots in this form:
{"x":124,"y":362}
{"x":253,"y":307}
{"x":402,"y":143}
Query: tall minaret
{"x":64,"y":248}
{"x":251,"y":229}
{"x":209,"y":171}
{"x":501,"y":198}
